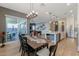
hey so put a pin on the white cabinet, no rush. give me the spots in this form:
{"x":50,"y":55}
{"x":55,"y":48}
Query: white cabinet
{"x":78,"y":40}
{"x":54,"y":37}
{"x":62,"y":35}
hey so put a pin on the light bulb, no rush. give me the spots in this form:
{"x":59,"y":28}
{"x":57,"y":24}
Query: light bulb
{"x":30,"y":13}
{"x":33,"y":11}
{"x":27,"y":16}
{"x":68,"y":4}
{"x":47,"y":13}
{"x":72,"y":15}
{"x":34,"y":15}
{"x":71,"y":11}
{"x":36,"y":12}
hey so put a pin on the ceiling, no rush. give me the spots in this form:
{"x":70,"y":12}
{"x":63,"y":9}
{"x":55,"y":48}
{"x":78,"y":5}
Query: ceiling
{"x":45,"y":10}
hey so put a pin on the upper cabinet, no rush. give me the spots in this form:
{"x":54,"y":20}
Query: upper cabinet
{"x":57,"y":26}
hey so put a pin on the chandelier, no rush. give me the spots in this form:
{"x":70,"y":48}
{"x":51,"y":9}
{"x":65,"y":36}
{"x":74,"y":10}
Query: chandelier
{"x":32,"y":14}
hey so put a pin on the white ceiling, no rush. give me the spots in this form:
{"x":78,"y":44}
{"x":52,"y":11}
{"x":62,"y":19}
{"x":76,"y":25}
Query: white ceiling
{"x":45,"y":10}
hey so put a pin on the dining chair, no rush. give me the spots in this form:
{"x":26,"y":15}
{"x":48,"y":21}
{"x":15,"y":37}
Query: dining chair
{"x":20,"y":38}
{"x":43,"y":52}
{"x":52,"y":50}
{"x":26,"y":48}
{"x":48,"y":51}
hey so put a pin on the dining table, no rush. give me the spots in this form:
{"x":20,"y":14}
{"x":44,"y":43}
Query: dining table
{"x":36,"y":43}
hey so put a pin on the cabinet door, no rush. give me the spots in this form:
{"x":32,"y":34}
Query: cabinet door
{"x":56,"y":26}
{"x":52,"y":26}
{"x":62,"y":26}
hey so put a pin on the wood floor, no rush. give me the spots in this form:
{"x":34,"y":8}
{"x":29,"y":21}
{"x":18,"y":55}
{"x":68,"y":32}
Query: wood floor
{"x":11,"y":49}
{"x":66,"y":47}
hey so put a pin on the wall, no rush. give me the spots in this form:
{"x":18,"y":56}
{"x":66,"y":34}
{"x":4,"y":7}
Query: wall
{"x":78,"y":27}
{"x":70,"y":26}
{"x":2,"y":22}
{"x":3,"y":12}
{"x":6,"y":11}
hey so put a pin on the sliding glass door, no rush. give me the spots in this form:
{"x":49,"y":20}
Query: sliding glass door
{"x":11,"y":28}
{"x":14,"y":26}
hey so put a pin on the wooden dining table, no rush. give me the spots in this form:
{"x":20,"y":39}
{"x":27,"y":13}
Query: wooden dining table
{"x":36,"y":43}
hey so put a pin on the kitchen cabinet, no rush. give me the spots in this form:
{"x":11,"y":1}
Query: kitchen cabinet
{"x":54,"y":37}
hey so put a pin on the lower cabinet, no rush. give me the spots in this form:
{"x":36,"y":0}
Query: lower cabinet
{"x":54,"y":37}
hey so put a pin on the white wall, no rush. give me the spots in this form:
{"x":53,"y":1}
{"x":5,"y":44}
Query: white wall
{"x":69,"y":24}
{"x":78,"y":28}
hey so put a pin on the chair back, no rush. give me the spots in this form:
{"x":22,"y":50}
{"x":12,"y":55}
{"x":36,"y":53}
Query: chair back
{"x":24,"y":41}
{"x":20,"y":38}
{"x":26,"y":46}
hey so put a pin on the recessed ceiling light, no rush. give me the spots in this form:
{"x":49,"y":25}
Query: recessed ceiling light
{"x":47,"y":13}
{"x":72,"y":15}
{"x":71,"y":11}
{"x":68,"y":4}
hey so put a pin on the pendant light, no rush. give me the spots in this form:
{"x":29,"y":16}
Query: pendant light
{"x":32,"y":13}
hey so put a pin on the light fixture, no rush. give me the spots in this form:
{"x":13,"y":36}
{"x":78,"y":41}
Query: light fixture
{"x":32,"y":14}
{"x":47,"y":13}
{"x":33,"y":11}
{"x":71,"y":11}
{"x":54,"y":17}
{"x":72,"y":15}
{"x":37,"y":13}
{"x":68,"y":4}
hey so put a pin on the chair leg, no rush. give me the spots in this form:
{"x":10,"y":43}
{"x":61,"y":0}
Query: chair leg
{"x":20,"y":49}
{"x":22,"y":53}
{"x":50,"y":53}
{"x":28,"y":53}
{"x":54,"y":52}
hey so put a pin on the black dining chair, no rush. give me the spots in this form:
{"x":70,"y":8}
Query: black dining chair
{"x":48,"y":51}
{"x":53,"y":49}
{"x":26,"y":48}
{"x":21,"y":44}
{"x":43,"y":52}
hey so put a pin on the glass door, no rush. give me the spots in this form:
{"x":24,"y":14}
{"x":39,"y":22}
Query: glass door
{"x":14,"y":26}
{"x":11,"y":28}
{"x":22,"y":26}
